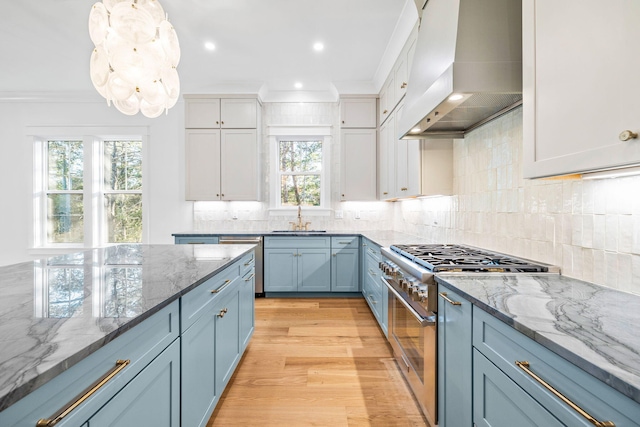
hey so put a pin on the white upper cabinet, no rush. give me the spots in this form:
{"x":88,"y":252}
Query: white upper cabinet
{"x":221,"y":148}
{"x":387,"y":161}
{"x":358,"y":137}
{"x":387,"y":96}
{"x":358,"y":165}
{"x":223,"y":113}
{"x":358,"y":112}
{"x":581,"y":85}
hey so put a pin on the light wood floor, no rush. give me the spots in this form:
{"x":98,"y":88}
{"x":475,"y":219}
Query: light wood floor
{"x":317,"y":362}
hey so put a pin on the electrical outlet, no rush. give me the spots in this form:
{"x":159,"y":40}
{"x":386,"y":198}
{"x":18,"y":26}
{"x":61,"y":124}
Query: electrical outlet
{"x":234,"y":215}
{"x":339,"y":214}
{"x":357,"y":214}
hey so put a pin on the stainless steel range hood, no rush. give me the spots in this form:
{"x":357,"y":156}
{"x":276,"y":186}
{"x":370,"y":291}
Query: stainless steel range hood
{"x":467,"y":67}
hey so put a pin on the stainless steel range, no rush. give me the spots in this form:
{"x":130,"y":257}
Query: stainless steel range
{"x":408,"y":272}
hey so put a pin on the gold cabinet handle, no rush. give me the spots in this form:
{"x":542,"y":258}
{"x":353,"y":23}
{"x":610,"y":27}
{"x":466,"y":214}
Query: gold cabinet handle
{"x":524,"y":365}
{"x":222,"y":312}
{"x":224,"y":285}
{"x":449,"y":300}
{"x":371,"y":272}
{"x":404,"y":189}
{"x":403,"y":85}
{"x":626,"y":135}
{"x":334,"y":255}
{"x":248,"y":279}
{"x":385,"y":112}
{"x":196,"y":243}
{"x":87,"y":393}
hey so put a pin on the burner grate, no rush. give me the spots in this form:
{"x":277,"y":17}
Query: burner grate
{"x":463,"y":258}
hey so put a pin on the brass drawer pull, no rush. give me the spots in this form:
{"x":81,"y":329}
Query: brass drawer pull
{"x":449,"y":300}
{"x":248,"y":279}
{"x":222,"y":312}
{"x":226,"y":283}
{"x":344,"y":243}
{"x":524,"y":365}
{"x":87,"y":393}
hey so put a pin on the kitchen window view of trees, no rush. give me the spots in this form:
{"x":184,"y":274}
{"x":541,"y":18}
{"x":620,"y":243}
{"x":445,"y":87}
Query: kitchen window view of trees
{"x":119,"y":217}
{"x":300,"y":168}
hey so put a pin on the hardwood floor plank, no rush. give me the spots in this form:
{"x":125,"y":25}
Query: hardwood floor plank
{"x":317,"y":362}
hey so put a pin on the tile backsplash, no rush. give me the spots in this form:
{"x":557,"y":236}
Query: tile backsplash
{"x":589,"y":228}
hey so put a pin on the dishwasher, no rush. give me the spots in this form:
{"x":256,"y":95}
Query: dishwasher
{"x":253,"y":240}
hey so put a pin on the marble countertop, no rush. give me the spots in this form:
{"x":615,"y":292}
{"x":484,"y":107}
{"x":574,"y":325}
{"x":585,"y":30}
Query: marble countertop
{"x":58,"y":310}
{"x":381,"y":237}
{"x":591,"y":326}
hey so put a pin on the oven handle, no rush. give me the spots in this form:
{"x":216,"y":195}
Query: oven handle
{"x":424,"y":321}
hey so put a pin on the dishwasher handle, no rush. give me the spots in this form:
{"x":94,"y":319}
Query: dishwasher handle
{"x":227,"y":241}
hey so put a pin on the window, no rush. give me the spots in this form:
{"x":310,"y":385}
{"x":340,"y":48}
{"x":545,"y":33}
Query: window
{"x":300,"y":170}
{"x":300,"y":167}
{"x":89,"y":191}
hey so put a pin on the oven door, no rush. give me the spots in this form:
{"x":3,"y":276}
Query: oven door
{"x":414,"y":341}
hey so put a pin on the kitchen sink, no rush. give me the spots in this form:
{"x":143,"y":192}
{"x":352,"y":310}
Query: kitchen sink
{"x":299,"y":231}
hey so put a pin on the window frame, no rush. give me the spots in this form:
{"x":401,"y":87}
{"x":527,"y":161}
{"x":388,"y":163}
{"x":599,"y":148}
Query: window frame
{"x":95,"y":232}
{"x":300,"y":133}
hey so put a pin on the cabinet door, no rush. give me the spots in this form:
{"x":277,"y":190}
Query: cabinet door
{"x":387,"y":97}
{"x":499,"y":402}
{"x":358,"y":113}
{"x":227,"y":338}
{"x":239,"y":165}
{"x":580,"y":94}
{"x":358,"y":164}
{"x":344,"y":270}
{"x":280,"y":270}
{"x":454,"y":360}
{"x":202,"y":153}
{"x":247,"y":309}
{"x":202,"y":113}
{"x":199,"y":393}
{"x":152,"y":398}
{"x":387,"y":160}
{"x":238,"y":113}
{"x":314,"y":270}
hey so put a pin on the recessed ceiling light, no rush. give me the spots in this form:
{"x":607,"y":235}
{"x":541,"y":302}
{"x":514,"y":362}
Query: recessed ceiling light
{"x":297,"y":85}
{"x":455,"y":97}
{"x":318,"y":47}
{"x":210,"y":46}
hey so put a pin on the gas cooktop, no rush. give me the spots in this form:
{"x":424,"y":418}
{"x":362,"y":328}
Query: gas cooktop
{"x":439,"y":257}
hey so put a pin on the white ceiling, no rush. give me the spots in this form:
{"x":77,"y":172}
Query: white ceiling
{"x":261,"y":45}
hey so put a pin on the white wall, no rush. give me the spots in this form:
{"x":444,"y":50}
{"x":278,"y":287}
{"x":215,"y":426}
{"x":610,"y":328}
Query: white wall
{"x":164,"y":166}
{"x":590,"y":228}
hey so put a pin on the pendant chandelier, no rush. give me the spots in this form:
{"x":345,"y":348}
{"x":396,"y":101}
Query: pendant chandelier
{"x":136,"y":53}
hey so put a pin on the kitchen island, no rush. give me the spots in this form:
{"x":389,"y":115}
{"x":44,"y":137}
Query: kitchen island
{"x":59,"y":314}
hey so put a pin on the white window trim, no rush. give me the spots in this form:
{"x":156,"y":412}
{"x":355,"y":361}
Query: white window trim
{"x":276,"y":133}
{"x":91,"y":136}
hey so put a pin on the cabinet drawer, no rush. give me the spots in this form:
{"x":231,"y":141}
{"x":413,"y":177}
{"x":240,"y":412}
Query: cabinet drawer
{"x":196,"y":240}
{"x":193,"y":303}
{"x":371,"y":249}
{"x":503,"y":346}
{"x":371,"y":268}
{"x":247,"y":263}
{"x":371,"y":291}
{"x":140,"y":345}
{"x":345,"y":242}
{"x":321,"y":242}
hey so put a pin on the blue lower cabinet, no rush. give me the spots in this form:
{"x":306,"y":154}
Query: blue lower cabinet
{"x":297,"y":270}
{"x":227,"y":321}
{"x":199,"y":393}
{"x":454,"y":360}
{"x":499,"y":402}
{"x":150,"y":399}
{"x":314,"y":270}
{"x":345,"y":269}
{"x":247,"y":307}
